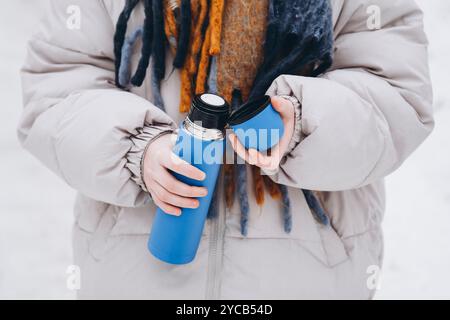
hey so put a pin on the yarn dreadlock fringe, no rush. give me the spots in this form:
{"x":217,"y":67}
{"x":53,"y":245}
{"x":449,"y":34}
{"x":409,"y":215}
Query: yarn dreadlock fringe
{"x":241,"y":175}
{"x":180,"y":40}
{"x":192,"y":52}
{"x":217,"y":7}
{"x":125,"y":63}
{"x":203,"y":66}
{"x":186,"y":91}
{"x":243,"y":196}
{"x":197,"y":38}
{"x":170,"y":23}
{"x":316,"y":207}
{"x":159,"y":40}
{"x":156,"y":90}
{"x":119,"y":36}
{"x":272,"y":187}
{"x":258,"y":185}
{"x":147,"y":45}
{"x":192,"y":67}
{"x":193,"y":38}
{"x":213,"y":210}
{"x":311,"y":32}
{"x":230,"y":184}
{"x":286,"y":208}
{"x":184,"y":34}
{"x":153,"y":43}
{"x":212,"y":77}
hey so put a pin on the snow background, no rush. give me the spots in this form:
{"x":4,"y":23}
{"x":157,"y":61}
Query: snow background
{"x":36,"y":207}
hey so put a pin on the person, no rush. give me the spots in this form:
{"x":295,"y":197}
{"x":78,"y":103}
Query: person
{"x":103,"y":99}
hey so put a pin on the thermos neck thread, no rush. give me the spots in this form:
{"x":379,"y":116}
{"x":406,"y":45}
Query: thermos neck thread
{"x":196,"y":130}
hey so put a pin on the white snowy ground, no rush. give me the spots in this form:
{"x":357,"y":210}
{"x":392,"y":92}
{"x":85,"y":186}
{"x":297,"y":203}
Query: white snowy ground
{"x":36,"y":207}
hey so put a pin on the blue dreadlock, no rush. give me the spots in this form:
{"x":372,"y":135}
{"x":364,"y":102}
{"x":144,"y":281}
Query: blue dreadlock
{"x":286,"y":208}
{"x":153,"y":45}
{"x":147,"y":41}
{"x":185,"y":31}
{"x":241,"y":174}
{"x":119,"y":36}
{"x":124,"y":71}
{"x":315,"y":207}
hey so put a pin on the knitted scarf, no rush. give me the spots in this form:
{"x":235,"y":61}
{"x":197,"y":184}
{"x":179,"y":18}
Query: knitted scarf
{"x":297,"y":39}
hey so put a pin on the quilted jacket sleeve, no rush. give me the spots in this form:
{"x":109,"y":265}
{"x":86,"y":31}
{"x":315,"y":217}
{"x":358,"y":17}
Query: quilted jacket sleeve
{"x":364,"y":117}
{"x":75,"y":121}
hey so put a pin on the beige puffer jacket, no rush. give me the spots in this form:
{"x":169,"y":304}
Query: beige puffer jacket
{"x":360,"y":121}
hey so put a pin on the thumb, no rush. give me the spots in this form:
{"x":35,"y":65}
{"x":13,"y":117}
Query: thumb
{"x":279,"y":104}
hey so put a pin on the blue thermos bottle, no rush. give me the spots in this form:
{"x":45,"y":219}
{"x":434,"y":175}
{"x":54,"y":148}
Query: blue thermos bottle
{"x":200,"y":142}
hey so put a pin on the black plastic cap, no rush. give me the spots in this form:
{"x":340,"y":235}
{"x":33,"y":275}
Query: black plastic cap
{"x":211,"y":110}
{"x":248,"y":110}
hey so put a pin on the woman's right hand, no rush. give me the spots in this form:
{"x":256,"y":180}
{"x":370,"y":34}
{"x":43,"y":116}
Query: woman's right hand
{"x":168,"y":193}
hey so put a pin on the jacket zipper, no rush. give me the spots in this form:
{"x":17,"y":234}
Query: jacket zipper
{"x":217,"y":228}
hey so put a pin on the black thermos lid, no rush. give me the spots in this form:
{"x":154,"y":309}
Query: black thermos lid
{"x":210,"y":110}
{"x":248,"y":110}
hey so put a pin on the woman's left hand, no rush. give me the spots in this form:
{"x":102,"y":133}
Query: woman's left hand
{"x":271,"y":161}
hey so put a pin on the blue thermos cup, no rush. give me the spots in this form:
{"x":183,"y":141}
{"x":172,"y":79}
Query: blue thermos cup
{"x":175,"y":239}
{"x":257,"y":124}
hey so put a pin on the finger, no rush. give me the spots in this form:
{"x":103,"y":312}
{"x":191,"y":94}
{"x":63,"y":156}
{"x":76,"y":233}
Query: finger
{"x":167,"y":208}
{"x":173,"y":139}
{"x":253,"y":157}
{"x":173,"y":199}
{"x":275,"y":152}
{"x":238,"y":147}
{"x":286,"y":110}
{"x":279,"y":104}
{"x":178,"y":165}
{"x":260,"y":160}
{"x":177,"y":187}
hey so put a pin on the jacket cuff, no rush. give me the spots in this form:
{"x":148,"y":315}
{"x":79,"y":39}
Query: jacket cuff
{"x":140,"y":143}
{"x":297,"y":135}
